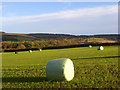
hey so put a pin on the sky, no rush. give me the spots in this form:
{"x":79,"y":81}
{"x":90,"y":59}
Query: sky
{"x":60,"y":17}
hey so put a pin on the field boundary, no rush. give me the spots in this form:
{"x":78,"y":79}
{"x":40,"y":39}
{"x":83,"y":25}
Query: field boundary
{"x":70,"y":46}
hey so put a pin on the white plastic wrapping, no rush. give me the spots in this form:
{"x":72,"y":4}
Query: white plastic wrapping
{"x":30,"y":51}
{"x":90,"y":46}
{"x":100,"y":48}
{"x":60,"y":69}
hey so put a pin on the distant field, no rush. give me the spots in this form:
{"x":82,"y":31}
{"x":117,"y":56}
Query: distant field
{"x":93,"y":68}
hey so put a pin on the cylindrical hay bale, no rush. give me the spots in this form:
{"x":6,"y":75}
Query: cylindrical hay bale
{"x":40,"y":49}
{"x":60,"y":70}
{"x":90,"y":46}
{"x":100,"y":48}
{"x":30,"y":51}
{"x":16,"y":52}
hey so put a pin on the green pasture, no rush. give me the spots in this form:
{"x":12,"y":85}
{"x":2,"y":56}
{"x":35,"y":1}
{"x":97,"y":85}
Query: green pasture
{"x":93,"y":68}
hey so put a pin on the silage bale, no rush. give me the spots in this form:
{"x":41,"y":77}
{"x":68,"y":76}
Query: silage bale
{"x":16,"y":52}
{"x":30,"y":51}
{"x":90,"y":46}
{"x":60,"y":70}
{"x":40,"y":50}
{"x":100,"y":48}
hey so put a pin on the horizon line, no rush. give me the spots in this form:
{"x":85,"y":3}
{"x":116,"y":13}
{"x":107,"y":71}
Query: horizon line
{"x":56,"y":33}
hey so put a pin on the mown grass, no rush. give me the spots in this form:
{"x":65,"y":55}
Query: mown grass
{"x":93,"y":68}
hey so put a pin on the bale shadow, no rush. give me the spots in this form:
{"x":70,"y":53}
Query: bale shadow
{"x":97,"y":57}
{"x":27,"y":79}
{"x":24,"y":79}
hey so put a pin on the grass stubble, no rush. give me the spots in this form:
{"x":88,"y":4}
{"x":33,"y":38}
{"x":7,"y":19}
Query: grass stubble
{"x":93,"y":68}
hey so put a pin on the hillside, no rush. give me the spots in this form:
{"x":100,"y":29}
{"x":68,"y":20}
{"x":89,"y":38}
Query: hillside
{"x":44,"y":36}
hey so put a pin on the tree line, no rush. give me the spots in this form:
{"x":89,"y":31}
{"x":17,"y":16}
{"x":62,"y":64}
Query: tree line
{"x":17,"y":45}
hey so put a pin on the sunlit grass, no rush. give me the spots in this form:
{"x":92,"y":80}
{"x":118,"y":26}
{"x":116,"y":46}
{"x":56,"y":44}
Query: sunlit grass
{"x":93,"y":68}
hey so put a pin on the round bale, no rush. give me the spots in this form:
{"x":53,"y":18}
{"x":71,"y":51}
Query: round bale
{"x":30,"y":51}
{"x":40,"y":49}
{"x":90,"y":46}
{"x":100,"y":48}
{"x":60,"y":70}
{"x":16,"y":52}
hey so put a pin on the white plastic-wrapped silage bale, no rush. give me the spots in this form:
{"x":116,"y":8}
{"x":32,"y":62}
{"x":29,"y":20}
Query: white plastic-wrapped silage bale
{"x":30,"y":51}
{"x":40,"y":49}
{"x":100,"y":48}
{"x":60,"y":70}
{"x":90,"y":46}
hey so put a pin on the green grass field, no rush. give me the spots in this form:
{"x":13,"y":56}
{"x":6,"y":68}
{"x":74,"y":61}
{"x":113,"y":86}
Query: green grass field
{"x":93,"y":68}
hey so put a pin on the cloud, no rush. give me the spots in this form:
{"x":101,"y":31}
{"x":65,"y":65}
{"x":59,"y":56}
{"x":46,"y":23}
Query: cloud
{"x":68,"y":14}
{"x":0,"y":7}
{"x":87,"y":20}
{"x":0,"y":17}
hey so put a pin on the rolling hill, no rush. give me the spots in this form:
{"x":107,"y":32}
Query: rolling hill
{"x":45,"y":36}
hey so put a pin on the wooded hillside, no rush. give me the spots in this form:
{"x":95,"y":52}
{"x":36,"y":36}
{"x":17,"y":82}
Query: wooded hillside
{"x":14,"y":42}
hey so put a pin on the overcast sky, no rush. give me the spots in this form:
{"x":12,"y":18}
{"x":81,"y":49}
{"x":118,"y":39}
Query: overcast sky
{"x":60,"y":17}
